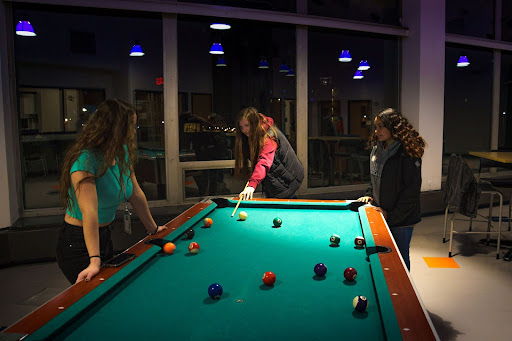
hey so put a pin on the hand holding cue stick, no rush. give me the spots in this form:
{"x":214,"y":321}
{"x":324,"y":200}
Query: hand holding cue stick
{"x":236,"y":207}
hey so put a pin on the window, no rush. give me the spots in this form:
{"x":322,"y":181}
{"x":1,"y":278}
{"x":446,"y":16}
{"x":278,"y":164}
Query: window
{"x":467,"y":101}
{"x":341,"y":108}
{"x":79,"y":58}
{"x":216,"y":87}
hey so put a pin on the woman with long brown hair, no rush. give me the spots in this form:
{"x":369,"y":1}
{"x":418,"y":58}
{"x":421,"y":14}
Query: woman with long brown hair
{"x":263,"y":154}
{"x":97,"y":176}
{"x":395,"y":172}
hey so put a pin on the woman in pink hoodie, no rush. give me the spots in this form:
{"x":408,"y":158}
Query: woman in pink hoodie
{"x":263,"y":154}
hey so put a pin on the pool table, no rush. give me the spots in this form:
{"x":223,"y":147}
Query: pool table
{"x":165,"y":296}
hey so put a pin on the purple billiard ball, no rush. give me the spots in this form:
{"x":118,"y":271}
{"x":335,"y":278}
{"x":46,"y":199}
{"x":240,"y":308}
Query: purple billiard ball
{"x":215,"y":290}
{"x":360,"y":303}
{"x":320,"y":269}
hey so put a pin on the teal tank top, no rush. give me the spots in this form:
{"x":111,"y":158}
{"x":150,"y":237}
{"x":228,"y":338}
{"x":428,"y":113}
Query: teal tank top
{"x":108,"y":188}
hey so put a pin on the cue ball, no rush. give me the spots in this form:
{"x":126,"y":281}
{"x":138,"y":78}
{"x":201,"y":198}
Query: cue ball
{"x":360,"y":303}
{"x":169,"y":248}
{"x":242,"y":215}
{"x":359,"y":241}
{"x":269,"y":278}
{"x":193,"y":247}
{"x":207,"y":222}
{"x":350,"y":274}
{"x":320,"y":269}
{"x":189,"y":234}
{"x":335,"y":240}
{"x":277,"y":221}
{"x":215,"y":290}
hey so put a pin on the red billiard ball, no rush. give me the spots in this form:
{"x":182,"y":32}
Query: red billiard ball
{"x":169,"y":248}
{"x":350,"y":274}
{"x":207,"y":222}
{"x":269,"y":278}
{"x":193,"y":247}
{"x":359,"y":241}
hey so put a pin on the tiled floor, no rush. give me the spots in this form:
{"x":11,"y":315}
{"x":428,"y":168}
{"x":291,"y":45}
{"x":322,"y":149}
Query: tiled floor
{"x":472,"y":302}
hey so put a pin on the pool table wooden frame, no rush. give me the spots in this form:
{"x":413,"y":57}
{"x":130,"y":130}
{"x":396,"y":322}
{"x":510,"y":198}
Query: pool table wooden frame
{"x":413,"y":319}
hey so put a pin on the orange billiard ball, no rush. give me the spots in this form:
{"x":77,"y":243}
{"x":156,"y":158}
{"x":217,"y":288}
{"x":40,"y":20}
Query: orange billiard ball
{"x":207,"y":222}
{"x":169,"y":248}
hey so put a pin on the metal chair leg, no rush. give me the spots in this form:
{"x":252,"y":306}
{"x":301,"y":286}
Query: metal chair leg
{"x":451,"y":237}
{"x":445,"y":220}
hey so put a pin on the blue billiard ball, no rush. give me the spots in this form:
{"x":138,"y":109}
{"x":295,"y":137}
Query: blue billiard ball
{"x":215,"y":290}
{"x":320,"y":269}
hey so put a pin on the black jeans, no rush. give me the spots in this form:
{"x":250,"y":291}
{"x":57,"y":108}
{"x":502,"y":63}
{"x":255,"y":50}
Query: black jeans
{"x":72,"y":255}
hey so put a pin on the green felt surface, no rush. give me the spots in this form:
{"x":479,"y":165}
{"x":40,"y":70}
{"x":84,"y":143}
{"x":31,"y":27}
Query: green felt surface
{"x":166,"y":296}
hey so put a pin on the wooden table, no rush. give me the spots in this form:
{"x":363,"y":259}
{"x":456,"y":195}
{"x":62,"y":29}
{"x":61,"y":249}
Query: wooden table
{"x":504,"y":157}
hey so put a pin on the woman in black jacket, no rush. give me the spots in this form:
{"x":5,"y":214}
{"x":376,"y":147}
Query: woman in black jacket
{"x":395,"y":170}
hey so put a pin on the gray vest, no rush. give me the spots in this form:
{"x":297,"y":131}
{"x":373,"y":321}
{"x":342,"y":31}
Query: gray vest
{"x":286,"y":173}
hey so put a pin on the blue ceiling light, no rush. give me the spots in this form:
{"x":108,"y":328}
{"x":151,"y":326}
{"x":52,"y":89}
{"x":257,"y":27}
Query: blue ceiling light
{"x":216,"y":49}
{"x":220,"y":26}
{"x":136,"y":50}
{"x":263,"y":64}
{"x":463,"y":61}
{"x":24,"y":28}
{"x":221,"y":62}
{"x":284,"y":68}
{"x":290,"y":73}
{"x":345,"y":56}
{"x":358,"y":75}
{"x":363,"y":66}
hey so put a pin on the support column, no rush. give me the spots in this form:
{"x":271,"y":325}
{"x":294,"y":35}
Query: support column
{"x":422,"y":94}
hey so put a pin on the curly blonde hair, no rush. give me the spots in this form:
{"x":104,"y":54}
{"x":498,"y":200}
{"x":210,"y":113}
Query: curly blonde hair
{"x":401,"y":130}
{"x":249,"y":148}
{"x":106,"y":132}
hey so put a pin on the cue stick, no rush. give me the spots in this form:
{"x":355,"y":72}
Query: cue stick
{"x":236,"y":207}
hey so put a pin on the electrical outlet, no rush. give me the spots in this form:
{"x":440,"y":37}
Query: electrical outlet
{"x":429,"y":185}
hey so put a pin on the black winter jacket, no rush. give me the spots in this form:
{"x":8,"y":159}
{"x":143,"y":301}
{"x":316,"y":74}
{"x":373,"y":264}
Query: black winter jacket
{"x":400,"y":189}
{"x":286,"y":173}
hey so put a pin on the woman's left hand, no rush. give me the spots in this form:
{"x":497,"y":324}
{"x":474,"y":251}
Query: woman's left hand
{"x":379,"y":209}
{"x":161,"y":228}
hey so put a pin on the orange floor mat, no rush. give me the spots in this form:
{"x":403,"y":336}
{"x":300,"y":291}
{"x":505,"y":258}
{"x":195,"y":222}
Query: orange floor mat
{"x":440,"y":262}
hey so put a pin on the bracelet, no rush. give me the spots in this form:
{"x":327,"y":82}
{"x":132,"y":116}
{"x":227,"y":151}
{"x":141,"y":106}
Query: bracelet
{"x":94,"y":257}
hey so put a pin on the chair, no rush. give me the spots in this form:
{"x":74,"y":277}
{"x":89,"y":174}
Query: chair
{"x":319,"y":161}
{"x":462,"y":196}
{"x":35,"y":158}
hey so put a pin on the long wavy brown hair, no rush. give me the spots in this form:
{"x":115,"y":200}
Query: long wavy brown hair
{"x":401,"y":130}
{"x":249,"y":148}
{"x":106,"y":132}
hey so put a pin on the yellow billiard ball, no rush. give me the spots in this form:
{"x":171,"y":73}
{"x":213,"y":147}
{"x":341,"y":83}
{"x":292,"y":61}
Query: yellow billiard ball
{"x":242,"y":215}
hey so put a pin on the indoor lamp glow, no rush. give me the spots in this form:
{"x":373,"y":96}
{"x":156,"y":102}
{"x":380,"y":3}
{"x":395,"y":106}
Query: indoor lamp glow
{"x":345,"y":56}
{"x":358,"y":75}
{"x":217,"y":49}
{"x":463,"y":61}
{"x":136,"y":51}
{"x":363,"y":65}
{"x":24,"y":28}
